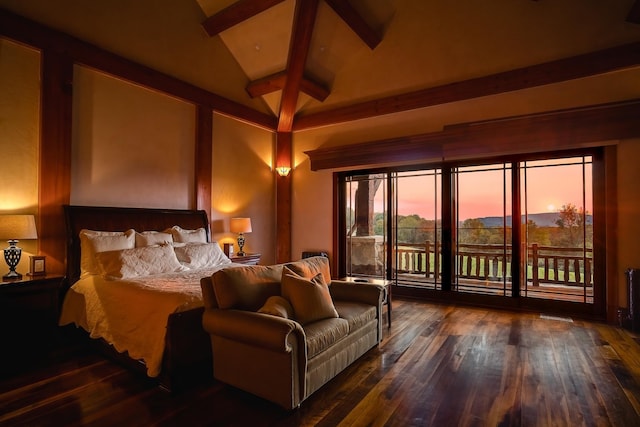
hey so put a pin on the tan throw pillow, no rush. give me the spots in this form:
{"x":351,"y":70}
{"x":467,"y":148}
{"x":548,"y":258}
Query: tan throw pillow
{"x":247,"y":287}
{"x":310,"y":267}
{"x":310,"y":298}
{"x":277,"y":306}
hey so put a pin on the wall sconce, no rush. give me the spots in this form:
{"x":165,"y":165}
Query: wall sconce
{"x":12,"y":228}
{"x":240,"y":226}
{"x":283,"y":170}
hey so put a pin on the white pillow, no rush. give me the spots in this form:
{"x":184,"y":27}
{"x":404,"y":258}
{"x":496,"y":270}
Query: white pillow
{"x":136,"y":262}
{"x":150,"y":238}
{"x":199,"y":255}
{"x":93,"y":242}
{"x":181,"y":235}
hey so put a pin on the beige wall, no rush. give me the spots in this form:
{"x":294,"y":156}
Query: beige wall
{"x":133,"y":147}
{"x":130,"y":146}
{"x":628,"y":177}
{"x":243,"y":184}
{"x":19,"y":136}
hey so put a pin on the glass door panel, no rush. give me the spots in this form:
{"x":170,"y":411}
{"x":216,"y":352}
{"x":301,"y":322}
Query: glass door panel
{"x":366,"y":220}
{"x":417,"y":228}
{"x":557,"y":206}
{"x":483,"y":248}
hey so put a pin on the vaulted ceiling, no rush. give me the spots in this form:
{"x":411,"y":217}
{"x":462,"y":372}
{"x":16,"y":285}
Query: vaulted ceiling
{"x":313,"y":63}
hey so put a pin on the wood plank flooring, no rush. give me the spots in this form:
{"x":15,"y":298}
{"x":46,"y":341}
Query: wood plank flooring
{"x":438,"y":365}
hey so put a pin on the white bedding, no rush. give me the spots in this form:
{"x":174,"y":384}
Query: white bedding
{"x":131,"y":314}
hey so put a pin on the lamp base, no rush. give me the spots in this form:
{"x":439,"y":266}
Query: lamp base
{"x":12,"y":256}
{"x":12,"y":275}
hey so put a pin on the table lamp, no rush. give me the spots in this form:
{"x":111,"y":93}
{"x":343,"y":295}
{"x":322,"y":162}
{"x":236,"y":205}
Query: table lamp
{"x":14,"y":228}
{"x":240,"y":226}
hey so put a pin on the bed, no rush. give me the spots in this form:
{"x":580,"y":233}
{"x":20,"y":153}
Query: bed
{"x":151,"y":322}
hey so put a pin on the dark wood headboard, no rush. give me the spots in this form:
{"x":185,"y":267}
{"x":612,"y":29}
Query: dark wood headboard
{"x":103,"y":218}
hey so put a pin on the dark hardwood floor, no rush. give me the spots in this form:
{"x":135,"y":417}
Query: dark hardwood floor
{"x":438,"y":365}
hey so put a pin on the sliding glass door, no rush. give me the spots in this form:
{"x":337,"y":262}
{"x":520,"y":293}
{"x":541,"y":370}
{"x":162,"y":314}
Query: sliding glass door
{"x":521,"y":228}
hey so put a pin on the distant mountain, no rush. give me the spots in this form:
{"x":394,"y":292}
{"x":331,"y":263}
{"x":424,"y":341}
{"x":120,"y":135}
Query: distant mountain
{"x":547,"y":219}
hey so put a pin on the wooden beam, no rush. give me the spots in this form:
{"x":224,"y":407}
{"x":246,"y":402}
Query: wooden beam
{"x":634,"y":13}
{"x":54,"y":181}
{"x":203,"y":158}
{"x":276,"y":82}
{"x":25,"y":31}
{"x":304,"y":21}
{"x":590,"y":64}
{"x":266,"y":85}
{"x":314,"y":89}
{"x":235,"y":14}
{"x":353,"y":19}
{"x":283,"y":198}
{"x":553,"y":131}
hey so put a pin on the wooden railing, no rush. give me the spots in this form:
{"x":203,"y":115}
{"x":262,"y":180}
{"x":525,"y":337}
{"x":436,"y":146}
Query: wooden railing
{"x":555,"y":265}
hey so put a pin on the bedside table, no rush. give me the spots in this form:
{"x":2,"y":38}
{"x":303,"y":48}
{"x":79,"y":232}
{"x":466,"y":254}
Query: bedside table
{"x":247,"y":259}
{"x":29,"y":310}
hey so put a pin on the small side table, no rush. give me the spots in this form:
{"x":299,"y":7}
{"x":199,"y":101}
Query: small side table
{"x":382,"y":282}
{"x":29,"y":310}
{"x":247,"y":259}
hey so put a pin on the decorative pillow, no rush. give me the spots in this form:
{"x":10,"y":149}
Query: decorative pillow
{"x":150,"y":238}
{"x":199,"y":255}
{"x":181,"y":235}
{"x":277,"y":306}
{"x":92,"y":242}
{"x":136,"y":262}
{"x":310,"y":267}
{"x":310,"y":298}
{"x":247,"y":287}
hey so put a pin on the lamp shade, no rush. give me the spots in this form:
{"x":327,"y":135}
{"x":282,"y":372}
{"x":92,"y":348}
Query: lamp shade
{"x":240,"y":225}
{"x":17,"y":227}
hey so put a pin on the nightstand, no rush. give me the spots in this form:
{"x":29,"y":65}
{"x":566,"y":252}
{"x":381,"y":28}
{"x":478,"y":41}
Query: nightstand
{"x":247,"y":259}
{"x":29,"y":310}
{"x":382,"y":282}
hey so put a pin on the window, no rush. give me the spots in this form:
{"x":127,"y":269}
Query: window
{"x":518,"y":229}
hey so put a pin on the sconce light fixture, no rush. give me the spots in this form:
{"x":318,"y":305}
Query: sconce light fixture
{"x":12,"y":228}
{"x":283,"y":170}
{"x":240,"y":226}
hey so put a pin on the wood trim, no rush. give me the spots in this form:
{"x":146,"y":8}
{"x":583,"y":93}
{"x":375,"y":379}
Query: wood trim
{"x":553,"y":131}
{"x":235,"y":14}
{"x":203,"y":158}
{"x":590,"y":64}
{"x":610,"y":213}
{"x":304,"y":21}
{"x":31,"y":33}
{"x":55,"y":157}
{"x":359,"y":26}
{"x":283,"y":198}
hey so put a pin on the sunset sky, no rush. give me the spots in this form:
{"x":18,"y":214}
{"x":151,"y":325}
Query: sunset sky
{"x":481,"y":191}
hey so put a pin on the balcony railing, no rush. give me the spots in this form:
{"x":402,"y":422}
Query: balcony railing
{"x":545,"y":264}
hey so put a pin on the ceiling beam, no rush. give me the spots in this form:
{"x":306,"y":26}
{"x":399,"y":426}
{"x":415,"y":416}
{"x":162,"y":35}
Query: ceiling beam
{"x":266,"y":85}
{"x":353,"y":19}
{"x":586,"y":65}
{"x":634,"y":13}
{"x":235,"y":14}
{"x":303,"y":23}
{"x":276,"y":82}
{"x":314,"y":89}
